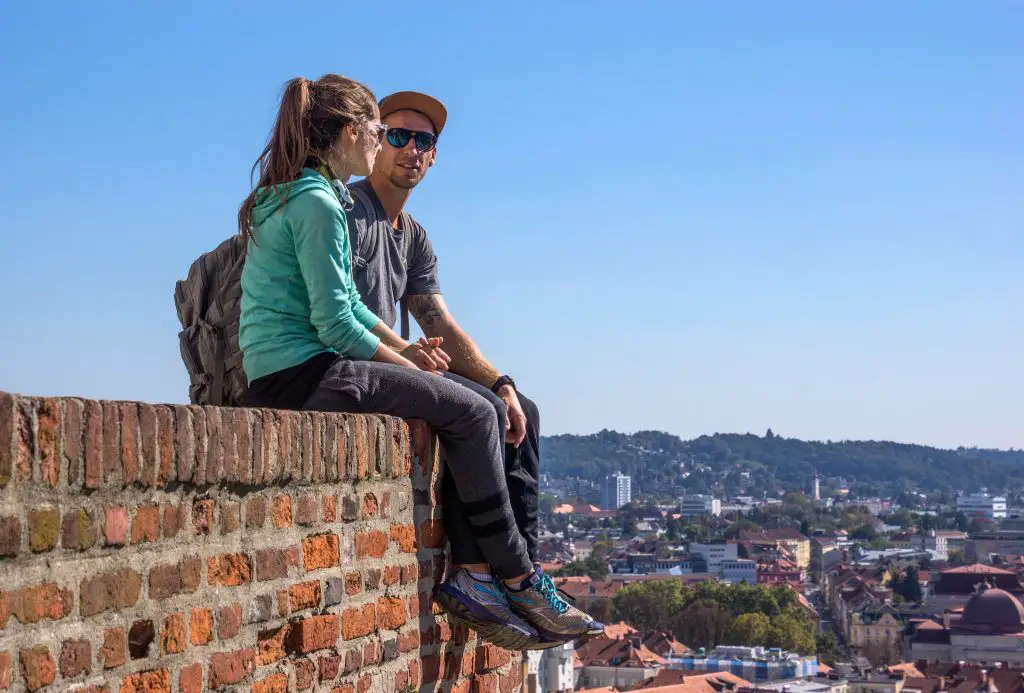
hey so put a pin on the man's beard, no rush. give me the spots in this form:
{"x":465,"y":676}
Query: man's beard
{"x":404,"y":184}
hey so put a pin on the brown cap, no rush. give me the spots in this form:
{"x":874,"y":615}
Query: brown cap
{"x":415,"y":101}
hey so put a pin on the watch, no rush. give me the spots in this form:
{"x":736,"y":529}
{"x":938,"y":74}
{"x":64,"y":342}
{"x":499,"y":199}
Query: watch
{"x":502,"y":382}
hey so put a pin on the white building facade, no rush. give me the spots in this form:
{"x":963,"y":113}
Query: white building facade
{"x":616,"y":491}
{"x":700,"y":504}
{"x":982,"y":505}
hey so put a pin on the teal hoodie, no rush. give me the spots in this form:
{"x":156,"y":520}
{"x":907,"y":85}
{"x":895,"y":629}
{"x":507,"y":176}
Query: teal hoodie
{"x":298,"y":297}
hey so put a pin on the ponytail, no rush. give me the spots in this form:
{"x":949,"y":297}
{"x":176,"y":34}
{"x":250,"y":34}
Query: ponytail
{"x":309,"y":120}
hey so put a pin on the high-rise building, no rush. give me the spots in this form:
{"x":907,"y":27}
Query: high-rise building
{"x":616,"y":491}
{"x":817,"y":487}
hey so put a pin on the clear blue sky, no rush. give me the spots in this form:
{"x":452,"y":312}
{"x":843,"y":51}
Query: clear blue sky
{"x":687,"y":216}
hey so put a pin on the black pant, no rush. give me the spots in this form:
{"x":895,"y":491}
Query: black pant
{"x":521,"y":473}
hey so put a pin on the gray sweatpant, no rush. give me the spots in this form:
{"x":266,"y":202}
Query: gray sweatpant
{"x":470,"y":434}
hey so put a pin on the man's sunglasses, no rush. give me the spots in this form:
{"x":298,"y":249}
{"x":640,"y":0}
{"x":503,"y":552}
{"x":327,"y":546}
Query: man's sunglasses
{"x":399,"y":137}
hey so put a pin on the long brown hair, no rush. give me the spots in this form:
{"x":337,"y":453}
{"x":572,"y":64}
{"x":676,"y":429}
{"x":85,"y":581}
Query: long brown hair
{"x":309,"y":120}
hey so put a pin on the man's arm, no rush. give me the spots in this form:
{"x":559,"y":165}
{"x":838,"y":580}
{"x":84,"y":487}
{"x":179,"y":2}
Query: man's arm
{"x":436,"y":320}
{"x":467,"y":360}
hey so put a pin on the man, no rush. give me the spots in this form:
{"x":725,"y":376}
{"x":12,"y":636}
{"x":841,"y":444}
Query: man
{"x":394,"y":263}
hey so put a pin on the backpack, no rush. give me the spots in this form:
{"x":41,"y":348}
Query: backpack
{"x":208,"y":302}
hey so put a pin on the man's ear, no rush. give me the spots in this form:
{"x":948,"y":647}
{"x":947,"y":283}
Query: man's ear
{"x":433,"y":156}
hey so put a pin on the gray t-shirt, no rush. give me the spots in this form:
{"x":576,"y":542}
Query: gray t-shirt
{"x":388,"y":263}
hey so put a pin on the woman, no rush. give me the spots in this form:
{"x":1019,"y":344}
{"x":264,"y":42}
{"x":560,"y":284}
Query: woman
{"x":308,"y":342}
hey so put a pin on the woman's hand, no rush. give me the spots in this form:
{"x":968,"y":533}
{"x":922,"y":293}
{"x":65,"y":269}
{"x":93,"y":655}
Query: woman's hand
{"x":427,"y":354}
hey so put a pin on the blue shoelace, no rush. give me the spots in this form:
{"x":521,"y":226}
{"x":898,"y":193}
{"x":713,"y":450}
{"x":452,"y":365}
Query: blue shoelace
{"x":550,"y":592}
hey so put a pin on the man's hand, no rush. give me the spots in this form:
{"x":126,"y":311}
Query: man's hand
{"x":515,"y":419}
{"x":428,"y":355}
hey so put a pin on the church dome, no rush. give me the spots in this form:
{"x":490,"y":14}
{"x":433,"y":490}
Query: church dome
{"x":994,"y":609}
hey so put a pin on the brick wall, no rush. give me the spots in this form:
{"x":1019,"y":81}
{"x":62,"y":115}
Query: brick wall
{"x":174,"y":548}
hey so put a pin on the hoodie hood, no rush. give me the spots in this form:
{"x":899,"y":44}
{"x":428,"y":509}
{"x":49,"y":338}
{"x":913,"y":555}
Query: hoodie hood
{"x":268,"y":200}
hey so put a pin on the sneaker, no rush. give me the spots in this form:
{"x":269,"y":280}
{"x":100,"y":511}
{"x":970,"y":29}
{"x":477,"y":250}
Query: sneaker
{"x":484,"y":608}
{"x":540,"y":605}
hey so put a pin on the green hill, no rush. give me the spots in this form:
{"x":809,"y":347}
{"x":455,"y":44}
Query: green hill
{"x":663,"y":465}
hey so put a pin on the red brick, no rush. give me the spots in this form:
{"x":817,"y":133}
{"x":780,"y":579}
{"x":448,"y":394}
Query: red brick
{"x":228,"y":456}
{"x":313,"y":633}
{"x":214,"y":458}
{"x":432,"y":534}
{"x":78,"y":531}
{"x":243,"y":445}
{"x":37,"y":667}
{"x":199,"y":444}
{"x":317,"y":461}
{"x":115,"y":526}
{"x":227,"y":668}
{"x":404,"y":534}
{"x":154,"y":681}
{"x":93,"y":444}
{"x":360,"y":453}
{"x":48,"y":435}
{"x":353,"y":661}
{"x":370,"y":507}
{"x":390,"y":613}
{"x":365,"y":683}
{"x":75,"y":658}
{"x":272,"y":564}
{"x":344,"y":688}
{"x":71,"y":439}
{"x":43,"y":528}
{"x":306,"y":510}
{"x":330,"y":508}
{"x":485,"y":683}
{"x":111,"y":445}
{"x":174,"y":578}
{"x":202,"y":517}
{"x":373,"y":576}
{"x":228,"y":570}
{"x":256,"y":512}
{"x":6,"y":670}
{"x":330,"y":666}
{"x":201,"y":626}
{"x":281,"y":511}
{"x":371,"y":653}
{"x":172,"y":635}
{"x":320,"y":551}
{"x":35,"y":603}
{"x":174,"y":520}
{"x":140,"y":637}
{"x":305,"y":595}
{"x":353,"y":583}
{"x":371,"y":544}
{"x":358,"y":621}
{"x":414,"y":672}
{"x":165,"y":444}
{"x":129,"y":442}
{"x":229,"y":621}
{"x":304,"y":672}
{"x":148,"y":462}
{"x":410,"y":641}
{"x":190,"y":680}
{"x":410,"y":573}
{"x":111,"y":655}
{"x":230,"y":517}
{"x":420,"y":606}
{"x":401,"y":681}
{"x":270,"y":645}
{"x":392,"y":574}
{"x":432,"y":668}
{"x":10,"y":535}
{"x":146,"y":524}
{"x":489,"y":656}
{"x":269,"y":453}
{"x":275,"y":683}
{"x":512,"y":681}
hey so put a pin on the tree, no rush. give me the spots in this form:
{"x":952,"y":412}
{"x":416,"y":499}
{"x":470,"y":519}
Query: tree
{"x":749,"y":629}
{"x":908,"y":586}
{"x":828,"y":649}
{"x":650,"y":605}
{"x":546,"y":503}
{"x":866,"y":532}
{"x":702,"y":624}
{"x":793,"y":633}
